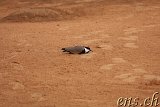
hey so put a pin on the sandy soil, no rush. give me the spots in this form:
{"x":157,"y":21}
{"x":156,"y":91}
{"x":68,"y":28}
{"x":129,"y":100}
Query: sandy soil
{"x":123,"y":34}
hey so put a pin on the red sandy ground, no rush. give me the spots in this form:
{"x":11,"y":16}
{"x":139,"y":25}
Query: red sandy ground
{"x":123,"y":34}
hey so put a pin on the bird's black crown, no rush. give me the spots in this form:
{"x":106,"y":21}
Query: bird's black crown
{"x":88,"y":48}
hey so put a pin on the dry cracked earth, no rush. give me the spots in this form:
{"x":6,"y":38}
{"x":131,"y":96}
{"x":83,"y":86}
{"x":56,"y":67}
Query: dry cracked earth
{"x":123,"y":34}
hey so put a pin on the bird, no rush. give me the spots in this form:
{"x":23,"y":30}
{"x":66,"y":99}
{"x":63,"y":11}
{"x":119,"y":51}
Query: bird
{"x":77,"y":49}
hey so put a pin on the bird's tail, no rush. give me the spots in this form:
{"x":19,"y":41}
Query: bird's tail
{"x":64,"y":50}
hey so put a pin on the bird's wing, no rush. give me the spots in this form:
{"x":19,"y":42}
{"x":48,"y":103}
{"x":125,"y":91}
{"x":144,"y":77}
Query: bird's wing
{"x":76,"y":49}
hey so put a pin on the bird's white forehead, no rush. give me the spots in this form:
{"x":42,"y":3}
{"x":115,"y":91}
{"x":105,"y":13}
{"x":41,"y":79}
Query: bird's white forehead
{"x":86,"y":50}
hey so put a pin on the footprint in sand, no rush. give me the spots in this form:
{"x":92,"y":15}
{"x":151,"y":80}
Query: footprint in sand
{"x":123,"y":76}
{"x":17,"y":86}
{"x":139,"y":70}
{"x":129,"y":38}
{"x":107,"y":67}
{"x":96,"y":32}
{"x":151,"y":77}
{"x":129,"y":77}
{"x":17,"y":66}
{"x":130,"y":45}
{"x":118,"y":60}
{"x":11,"y":56}
{"x":21,"y":42}
{"x":110,"y":66}
{"x":24,"y":43}
{"x":132,"y":31}
{"x":38,"y":97}
{"x":105,"y":47}
{"x":151,"y":25}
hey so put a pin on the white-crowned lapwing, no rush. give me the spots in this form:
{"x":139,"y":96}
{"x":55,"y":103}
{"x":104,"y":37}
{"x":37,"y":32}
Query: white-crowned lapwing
{"x":77,"y":50}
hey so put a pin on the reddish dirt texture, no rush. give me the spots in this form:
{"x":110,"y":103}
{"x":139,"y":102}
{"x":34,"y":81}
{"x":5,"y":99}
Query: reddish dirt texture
{"x":123,"y":34}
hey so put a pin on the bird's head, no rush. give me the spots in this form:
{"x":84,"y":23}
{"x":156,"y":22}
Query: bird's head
{"x":87,"y":49}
